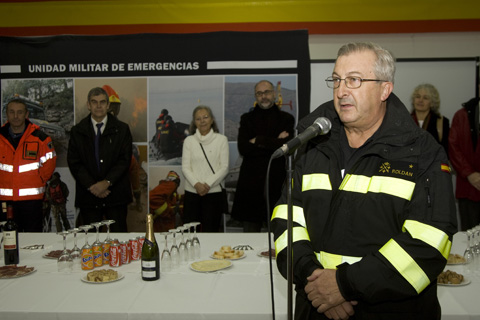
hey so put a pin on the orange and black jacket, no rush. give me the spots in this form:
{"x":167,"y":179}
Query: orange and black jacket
{"x":25,"y":170}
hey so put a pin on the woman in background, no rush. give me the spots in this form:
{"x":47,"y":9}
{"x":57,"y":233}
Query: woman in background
{"x":203,"y":194}
{"x":426,"y":114}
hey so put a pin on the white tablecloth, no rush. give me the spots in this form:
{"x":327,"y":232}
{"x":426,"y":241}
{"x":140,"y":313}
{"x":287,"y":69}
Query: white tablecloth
{"x":239,"y":292}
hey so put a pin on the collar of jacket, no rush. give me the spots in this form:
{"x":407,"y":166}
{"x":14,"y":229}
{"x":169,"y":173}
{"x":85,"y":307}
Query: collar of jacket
{"x":85,"y":125}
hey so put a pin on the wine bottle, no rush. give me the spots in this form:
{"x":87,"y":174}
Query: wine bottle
{"x":150,"y":254}
{"x":10,"y":239}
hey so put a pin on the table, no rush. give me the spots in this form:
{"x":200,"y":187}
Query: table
{"x":239,"y":292}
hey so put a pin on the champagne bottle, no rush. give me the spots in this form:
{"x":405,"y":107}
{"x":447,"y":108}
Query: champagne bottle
{"x":10,"y":239}
{"x":150,"y":254}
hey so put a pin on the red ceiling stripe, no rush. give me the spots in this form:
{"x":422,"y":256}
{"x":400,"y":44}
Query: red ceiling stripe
{"x":313,"y":28}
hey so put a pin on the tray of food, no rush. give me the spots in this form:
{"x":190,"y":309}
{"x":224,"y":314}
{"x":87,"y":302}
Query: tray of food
{"x":102,"y":276}
{"x":227,"y":253}
{"x":452,"y":279}
{"x":210,"y":265}
{"x":454,"y":258}
{"x":14,"y":271}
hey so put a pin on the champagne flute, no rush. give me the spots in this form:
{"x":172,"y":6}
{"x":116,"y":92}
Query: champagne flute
{"x":195,"y":240}
{"x":76,"y":252}
{"x":166,"y":264}
{"x":182,"y":247}
{"x":189,"y":243}
{"x":64,"y":262}
{"x":87,"y":252}
{"x":174,"y":252}
{"x":108,"y":223}
{"x":97,"y":247}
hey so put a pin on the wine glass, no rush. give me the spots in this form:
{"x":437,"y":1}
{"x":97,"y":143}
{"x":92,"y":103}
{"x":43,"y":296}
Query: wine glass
{"x":87,"y":252}
{"x":97,"y":247}
{"x":166,"y":263}
{"x":195,"y":240}
{"x":64,"y":262}
{"x":108,"y":223}
{"x":189,"y":243}
{"x":174,"y":252}
{"x":76,"y":253}
{"x":182,"y":247}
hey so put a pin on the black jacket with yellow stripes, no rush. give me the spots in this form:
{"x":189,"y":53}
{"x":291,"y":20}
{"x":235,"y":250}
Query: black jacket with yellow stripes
{"x":386,"y":225}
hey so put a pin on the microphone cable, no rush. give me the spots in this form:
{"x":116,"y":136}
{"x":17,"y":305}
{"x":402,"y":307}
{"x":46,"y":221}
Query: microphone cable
{"x":267,"y":188}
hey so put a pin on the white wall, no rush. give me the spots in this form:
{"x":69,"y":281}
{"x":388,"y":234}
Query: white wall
{"x":417,"y":45}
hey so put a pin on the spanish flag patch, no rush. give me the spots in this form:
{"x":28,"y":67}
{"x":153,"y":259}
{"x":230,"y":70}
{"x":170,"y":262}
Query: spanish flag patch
{"x":445,"y":168}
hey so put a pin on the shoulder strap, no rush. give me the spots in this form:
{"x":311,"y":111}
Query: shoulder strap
{"x":206,"y":158}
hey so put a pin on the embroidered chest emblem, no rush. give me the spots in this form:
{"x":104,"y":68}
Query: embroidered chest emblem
{"x":384,"y":167}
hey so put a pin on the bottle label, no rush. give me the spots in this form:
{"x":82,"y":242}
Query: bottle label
{"x":148,"y":264}
{"x":149,"y":274}
{"x":10,"y":240}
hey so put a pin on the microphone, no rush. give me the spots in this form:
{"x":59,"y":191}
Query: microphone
{"x":320,"y":126}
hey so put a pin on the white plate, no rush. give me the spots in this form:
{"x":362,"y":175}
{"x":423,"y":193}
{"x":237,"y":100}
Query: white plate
{"x":259,"y":253}
{"x":244,"y":255}
{"x":463,"y":283}
{"x":120,"y":277}
{"x":210,"y":265}
{"x":20,"y":275}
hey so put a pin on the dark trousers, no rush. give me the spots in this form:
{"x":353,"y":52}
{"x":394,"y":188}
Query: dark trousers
{"x":28,"y":215}
{"x":205,"y":209}
{"x":469,"y":213}
{"x":117,"y":213}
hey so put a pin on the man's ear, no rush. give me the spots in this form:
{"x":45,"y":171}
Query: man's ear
{"x":387,"y":88}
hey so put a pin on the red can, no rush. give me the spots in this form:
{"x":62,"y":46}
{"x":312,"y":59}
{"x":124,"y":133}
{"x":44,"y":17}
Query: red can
{"x":106,"y":252}
{"x":140,"y":239}
{"x":124,"y":252}
{"x":134,"y":249}
{"x":115,"y":260}
{"x":115,"y":241}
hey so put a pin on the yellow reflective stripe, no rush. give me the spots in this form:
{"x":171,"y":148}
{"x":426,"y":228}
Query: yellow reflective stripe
{"x":29,"y":167}
{"x":316,"y":181}
{"x":430,"y":235}
{"x":405,"y":265}
{"x":393,"y":186}
{"x":161,"y":209}
{"x":331,"y":260}
{"x":281,"y":212}
{"x":6,"y":192}
{"x":299,"y":233}
{"x":6,"y":167}
{"x":30,"y":191}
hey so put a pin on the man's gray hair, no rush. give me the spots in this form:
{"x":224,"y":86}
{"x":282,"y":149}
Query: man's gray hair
{"x":384,"y":67}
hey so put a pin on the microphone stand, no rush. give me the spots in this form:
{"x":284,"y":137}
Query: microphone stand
{"x":289,"y":180}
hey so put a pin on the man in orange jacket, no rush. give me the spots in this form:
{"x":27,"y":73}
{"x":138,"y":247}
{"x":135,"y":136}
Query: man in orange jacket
{"x":165,"y":202}
{"x":27,"y":161}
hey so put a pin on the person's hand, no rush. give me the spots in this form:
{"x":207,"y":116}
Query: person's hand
{"x":322,"y":290}
{"x":341,"y":312}
{"x":283,"y":135}
{"x":202,"y":188}
{"x":100,"y":189}
{"x":474,"y":179}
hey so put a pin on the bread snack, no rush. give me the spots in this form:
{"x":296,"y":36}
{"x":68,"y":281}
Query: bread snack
{"x":450,"y":277}
{"x":455,"y":259}
{"x":226,"y":252}
{"x":105,"y":275}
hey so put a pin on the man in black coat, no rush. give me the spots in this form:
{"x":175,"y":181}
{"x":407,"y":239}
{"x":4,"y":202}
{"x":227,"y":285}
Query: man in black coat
{"x":262,"y":131}
{"x":100,"y":169}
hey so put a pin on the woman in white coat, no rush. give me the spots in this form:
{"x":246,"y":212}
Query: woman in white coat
{"x":203,"y":193}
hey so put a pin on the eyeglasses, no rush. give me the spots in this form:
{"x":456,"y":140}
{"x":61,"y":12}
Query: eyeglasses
{"x":261,"y":93}
{"x":350,"y":82}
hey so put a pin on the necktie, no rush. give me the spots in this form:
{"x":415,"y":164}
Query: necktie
{"x":97,"y":144}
